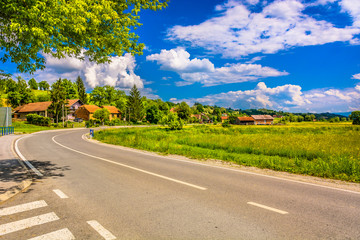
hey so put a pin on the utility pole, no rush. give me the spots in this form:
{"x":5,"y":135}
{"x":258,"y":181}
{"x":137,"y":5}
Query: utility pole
{"x":63,"y":115}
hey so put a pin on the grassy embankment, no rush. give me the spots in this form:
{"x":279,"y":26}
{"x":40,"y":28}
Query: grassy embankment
{"x":24,"y":127}
{"x":317,"y":149}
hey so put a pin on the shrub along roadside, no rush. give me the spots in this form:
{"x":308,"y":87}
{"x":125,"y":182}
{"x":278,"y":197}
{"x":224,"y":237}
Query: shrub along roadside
{"x":38,"y":120}
{"x":323,"y":151}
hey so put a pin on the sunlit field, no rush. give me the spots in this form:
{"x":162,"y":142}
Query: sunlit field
{"x":330,"y":150}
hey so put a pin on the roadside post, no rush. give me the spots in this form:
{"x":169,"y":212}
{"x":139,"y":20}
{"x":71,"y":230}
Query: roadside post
{"x":91,"y":133}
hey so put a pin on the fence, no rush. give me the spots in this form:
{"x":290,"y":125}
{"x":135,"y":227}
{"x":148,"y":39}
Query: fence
{"x":6,"y":130}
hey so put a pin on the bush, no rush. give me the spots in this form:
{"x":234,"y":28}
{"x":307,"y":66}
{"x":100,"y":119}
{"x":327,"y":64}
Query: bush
{"x":38,"y":120}
{"x":173,"y":121}
{"x":226,"y":124}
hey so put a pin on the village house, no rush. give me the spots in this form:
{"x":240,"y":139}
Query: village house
{"x":114,"y":112}
{"x":203,"y":118}
{"x":224,"y":118}
{"x":263,"y":119}
{"x":86,"y":112}
{"x":39,"y":108}
{"x":245,"y":121}
{"x":42,"y":109}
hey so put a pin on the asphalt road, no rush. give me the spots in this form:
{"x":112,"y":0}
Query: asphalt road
{"x":132,"y":195}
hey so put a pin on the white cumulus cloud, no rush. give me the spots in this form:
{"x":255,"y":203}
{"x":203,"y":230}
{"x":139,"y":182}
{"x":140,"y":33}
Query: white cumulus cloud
{"x":118,"y":73}
{"x":286,"y":97}
{"x":204,"y":72}
{"x":236,"y":31}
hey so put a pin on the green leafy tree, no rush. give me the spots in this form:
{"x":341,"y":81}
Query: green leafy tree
{"x":58,"y":98}
{"x":183,"y":111}
{"x":121,"y":102}
{"x":33,"y":84}
{"x":11,"y":85}
{"x":355,"y":117}
{"x":98,"y":96}
{"x":97,"y":29}
{"x":18,"y":93}
{"x":173,"y":121}
{"x":153,"y":114}
{"x":102,"y":115}
{"x":3,"y":79}
{"x":44,"y":85}
{"x":81,"y":90}
{"x":135,"y":107}
{"x":70,"y":88}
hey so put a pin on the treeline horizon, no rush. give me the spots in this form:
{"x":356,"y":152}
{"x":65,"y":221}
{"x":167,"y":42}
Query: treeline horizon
{"x":20,"y":92}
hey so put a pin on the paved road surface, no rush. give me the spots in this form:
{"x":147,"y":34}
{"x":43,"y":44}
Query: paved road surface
{"x":113,"y":193}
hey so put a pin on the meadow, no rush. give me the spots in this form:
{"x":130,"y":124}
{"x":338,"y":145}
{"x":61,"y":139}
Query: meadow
{"x":329,"y":150}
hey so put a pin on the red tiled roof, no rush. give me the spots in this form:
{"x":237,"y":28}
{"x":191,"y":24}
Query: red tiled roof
{"x":111,"y":109}
{"x":224,"y":117}
{"x":40,"y":106}
{"x":72,"y":102}
{"x":262,"y":117}
{"x":90,"y":108}
{"x":245,"y":119}
{"x":33,"y":107}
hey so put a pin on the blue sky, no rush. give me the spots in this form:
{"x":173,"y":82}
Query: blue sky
{"x":291,"y":55}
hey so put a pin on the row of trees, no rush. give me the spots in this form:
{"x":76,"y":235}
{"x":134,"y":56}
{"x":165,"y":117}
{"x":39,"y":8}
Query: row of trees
{"x":133,"y":107}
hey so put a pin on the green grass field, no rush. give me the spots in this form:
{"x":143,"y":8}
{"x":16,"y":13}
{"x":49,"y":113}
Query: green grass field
{"x":24,"y":127}
{"x":330,"y":150}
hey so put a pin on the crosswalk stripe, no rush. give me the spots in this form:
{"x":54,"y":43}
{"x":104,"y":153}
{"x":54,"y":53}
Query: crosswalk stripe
{"x":27,"y":223}
{"x":22,"y":208}
{"x":60,"y":193}
{"x":101,"y":230}
{"x":62,"y":234}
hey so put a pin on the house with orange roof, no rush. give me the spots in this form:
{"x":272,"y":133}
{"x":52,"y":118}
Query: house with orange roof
{"x":42,"y":109}
{"x":86,"y":112}
{"x":263,"y":119}
{"x":245,"y":121}
{"x":114,"y":112}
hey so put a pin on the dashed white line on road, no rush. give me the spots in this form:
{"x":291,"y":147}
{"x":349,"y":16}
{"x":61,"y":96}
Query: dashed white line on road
{"x":101,"y":230}
{"x":267,"y":208}
{"x":22,"y":208}
{"x":60,"y":193}
{"x":62,"y":234}
{"x":27,"y":223}
{"x":133,"y":168}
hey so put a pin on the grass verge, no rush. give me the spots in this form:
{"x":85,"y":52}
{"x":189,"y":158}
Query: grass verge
{"x":323,"y":150}
{"x":24,"y":127}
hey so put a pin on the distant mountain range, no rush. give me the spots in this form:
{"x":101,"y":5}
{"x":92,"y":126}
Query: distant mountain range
{"x":346,"y":114}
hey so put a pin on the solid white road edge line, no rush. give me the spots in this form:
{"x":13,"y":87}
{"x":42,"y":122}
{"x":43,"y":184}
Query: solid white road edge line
{"x":133,"y":168}
{"x":22,"y":208}
{"x":24,"y":159}
{"x":101,"y":230}
{"x":219,"y":167}
{"x":62,"y":234}
{"x":60,"y":193}
{"x":267,"y":208}
{"x":27,"y":223}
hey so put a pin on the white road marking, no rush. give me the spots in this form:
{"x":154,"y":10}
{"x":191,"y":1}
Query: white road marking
{"x":268,"y":208}
{"x":26,"y":161}
{"x":27,"y":223}
{"x":219,"y":167}
{"x":62,"y":234}
{"x":60,"y":193}
{"x":101,"y":230}
{"x":22,"y":208}
{"x":133,"y":168}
